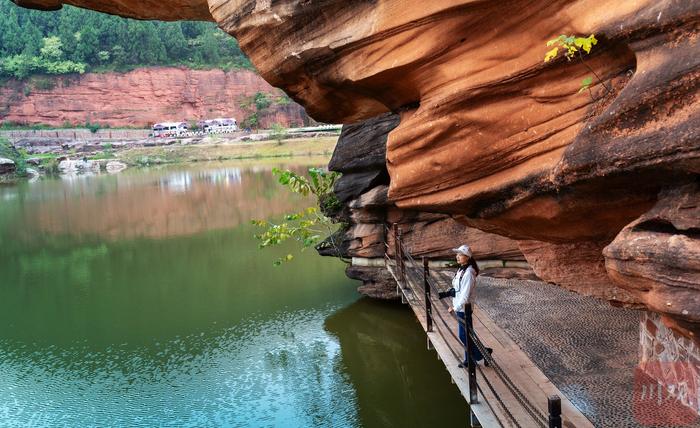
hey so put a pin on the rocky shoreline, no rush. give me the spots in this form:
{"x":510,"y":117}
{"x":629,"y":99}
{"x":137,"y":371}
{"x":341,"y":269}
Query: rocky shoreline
{"x":71,"y":156}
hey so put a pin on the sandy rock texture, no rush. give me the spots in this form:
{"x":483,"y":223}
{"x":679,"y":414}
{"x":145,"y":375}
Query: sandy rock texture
{"x":657,"y":256}
{"x":114,"y":167}
{"x":79,"y":167}
{"x":576,"y":266}
{"x":143,"y":97}
{"x":367,"y":210}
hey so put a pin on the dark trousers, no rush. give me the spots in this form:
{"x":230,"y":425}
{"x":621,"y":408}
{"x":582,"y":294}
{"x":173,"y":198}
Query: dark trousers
{"x":476,"y":354}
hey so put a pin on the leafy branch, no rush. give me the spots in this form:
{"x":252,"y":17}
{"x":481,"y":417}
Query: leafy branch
{"x":308,"y":226}
{"x":572,"y":47}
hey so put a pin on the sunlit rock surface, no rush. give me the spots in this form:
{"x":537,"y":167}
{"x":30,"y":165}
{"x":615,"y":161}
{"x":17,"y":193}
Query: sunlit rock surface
{"x":487,"y":129}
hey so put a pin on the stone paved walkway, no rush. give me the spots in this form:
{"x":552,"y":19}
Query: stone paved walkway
{"x":586,"y":347}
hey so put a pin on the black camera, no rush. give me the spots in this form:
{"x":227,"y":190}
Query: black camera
{"x":448,"y":293}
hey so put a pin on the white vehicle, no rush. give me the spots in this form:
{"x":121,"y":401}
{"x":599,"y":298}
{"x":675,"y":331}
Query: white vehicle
{"x":170,"y":129}
{"x":219,"y":125}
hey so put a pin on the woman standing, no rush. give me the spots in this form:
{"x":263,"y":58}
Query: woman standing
{"x":463,"y":283}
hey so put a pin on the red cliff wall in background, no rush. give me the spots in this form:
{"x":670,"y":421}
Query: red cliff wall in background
{"x":141,"y":97}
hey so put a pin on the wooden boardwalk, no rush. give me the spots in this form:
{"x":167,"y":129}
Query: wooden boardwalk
{"x":512,"y":395}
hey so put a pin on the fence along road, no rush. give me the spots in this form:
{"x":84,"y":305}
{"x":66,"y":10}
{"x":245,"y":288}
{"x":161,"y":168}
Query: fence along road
{"x":512,"y":391}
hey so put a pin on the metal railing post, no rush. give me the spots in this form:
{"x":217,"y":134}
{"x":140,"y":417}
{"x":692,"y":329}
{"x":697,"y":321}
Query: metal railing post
{"x":554,"y":406}
{"x":400,"y":254}
{"x":471,"y":364}
{"x":397,"y":245}
{"x":428,"y":305}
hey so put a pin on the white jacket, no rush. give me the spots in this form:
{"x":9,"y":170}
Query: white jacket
{"x":463,"y":284}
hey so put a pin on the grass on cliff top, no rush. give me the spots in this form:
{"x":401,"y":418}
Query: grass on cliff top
{"x":211,"y":151}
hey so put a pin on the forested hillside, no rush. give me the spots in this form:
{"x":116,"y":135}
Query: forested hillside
{"x":74,"y":40}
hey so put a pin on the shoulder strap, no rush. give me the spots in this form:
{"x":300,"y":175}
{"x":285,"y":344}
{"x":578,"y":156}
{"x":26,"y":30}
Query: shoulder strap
{"x":461,"y":273}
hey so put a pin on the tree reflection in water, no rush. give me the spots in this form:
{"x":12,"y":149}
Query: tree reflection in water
{"x":398,"y":381}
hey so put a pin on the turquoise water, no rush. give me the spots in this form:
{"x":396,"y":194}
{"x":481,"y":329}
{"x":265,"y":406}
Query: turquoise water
{"x":141,"y":299}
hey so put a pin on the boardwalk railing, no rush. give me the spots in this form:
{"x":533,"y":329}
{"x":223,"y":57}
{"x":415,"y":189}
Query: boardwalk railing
{"x":409,"y":274}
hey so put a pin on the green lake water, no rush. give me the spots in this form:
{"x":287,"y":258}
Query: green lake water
{"x":142,"y":300}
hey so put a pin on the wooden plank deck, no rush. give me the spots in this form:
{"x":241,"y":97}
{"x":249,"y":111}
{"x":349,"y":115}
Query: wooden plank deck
{"x":523,"y":373}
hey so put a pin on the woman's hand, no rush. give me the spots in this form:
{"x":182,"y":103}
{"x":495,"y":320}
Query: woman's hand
{"x":451,"y":310}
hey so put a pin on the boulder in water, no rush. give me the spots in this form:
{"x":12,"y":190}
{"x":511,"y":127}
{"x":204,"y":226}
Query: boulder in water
{"x":7,"y":166}
{"x":77,"y":167}
{"x":115,"y":166}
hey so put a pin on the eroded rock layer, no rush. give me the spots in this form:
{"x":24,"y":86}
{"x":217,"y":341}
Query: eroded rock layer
{"x":367,"y":212}
{"x":578,"y":266}
{"x":657,"y":257}
{"x":504,"y":131}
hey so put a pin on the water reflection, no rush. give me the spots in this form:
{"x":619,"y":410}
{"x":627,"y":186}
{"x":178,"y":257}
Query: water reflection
{"x":181,"y":181}
{"x":277,"y":372}
{"x":142,"y":300}
{"x":148,"y":203}
{"x":384,"y":354}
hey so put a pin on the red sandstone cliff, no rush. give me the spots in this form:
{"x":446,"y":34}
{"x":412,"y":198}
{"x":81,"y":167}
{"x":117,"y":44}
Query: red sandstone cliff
{"x":142,"y":97}
{"x":502,"y":141}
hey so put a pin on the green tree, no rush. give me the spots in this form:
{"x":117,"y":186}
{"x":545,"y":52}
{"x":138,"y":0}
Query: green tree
{"x":279,"y":133}
{"x":13,"y":40}
{"x":52,"y":49}
{"x":32,"y":39}
{"x":262,"y":101}
{"x":19,"y":66}
{"x":307,"y":227}
{"x":573,"y":47}
{"x":250,"y":121}
{"x":87,"y":46}
{"x":103,"y":56}
{"x":118,"y":56}
{"x":85,"y":35}
{"x":175,"y":43}
{"x":209,"y":48}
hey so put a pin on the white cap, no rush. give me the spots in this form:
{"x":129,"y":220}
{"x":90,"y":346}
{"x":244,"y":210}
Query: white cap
{"x":463,"y":249}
